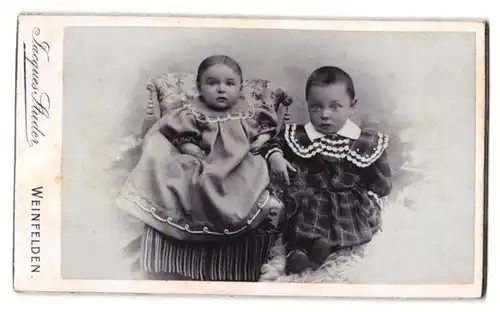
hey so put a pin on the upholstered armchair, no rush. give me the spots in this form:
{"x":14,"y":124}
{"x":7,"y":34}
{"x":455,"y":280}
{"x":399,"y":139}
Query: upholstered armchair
{"x":238,"y":260}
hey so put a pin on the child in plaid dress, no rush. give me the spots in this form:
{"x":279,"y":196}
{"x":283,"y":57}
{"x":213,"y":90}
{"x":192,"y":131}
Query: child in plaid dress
{"x":334,"y":172}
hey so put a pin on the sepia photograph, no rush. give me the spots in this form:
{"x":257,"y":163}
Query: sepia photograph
{"x":265,"y":156}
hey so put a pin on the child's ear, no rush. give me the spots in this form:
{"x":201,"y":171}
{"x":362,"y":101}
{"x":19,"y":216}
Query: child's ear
{"x":354,"y":102}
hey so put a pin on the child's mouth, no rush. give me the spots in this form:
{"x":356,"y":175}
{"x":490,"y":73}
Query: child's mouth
{"x":221,"y":99}
{"x":326,"y":125}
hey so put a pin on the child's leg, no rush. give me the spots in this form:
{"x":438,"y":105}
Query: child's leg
{"x":318,"y":251}
{"x":297,"y":259}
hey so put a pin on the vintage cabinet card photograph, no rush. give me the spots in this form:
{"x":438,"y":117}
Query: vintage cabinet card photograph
{"x":250,"y":156}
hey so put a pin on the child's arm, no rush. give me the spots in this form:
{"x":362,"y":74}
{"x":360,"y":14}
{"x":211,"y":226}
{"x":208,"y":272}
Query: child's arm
{"x":259,"y":142}
{"x":274,"y":144}
{"x":273,"y":152}
{"x":181,"y":129}
{"x":191,"y":149}
{"x":369,"y":152}
{"x":378,"y":177}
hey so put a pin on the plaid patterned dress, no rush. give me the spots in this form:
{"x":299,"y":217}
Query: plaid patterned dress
{"x":335,"y":193}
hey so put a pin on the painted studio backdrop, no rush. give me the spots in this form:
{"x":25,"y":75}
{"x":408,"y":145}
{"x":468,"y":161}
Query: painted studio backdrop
{"x":417,"y":87}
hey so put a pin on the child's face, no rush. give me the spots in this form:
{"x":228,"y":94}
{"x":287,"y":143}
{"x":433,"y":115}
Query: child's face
{"x":220,"y":87}
{"x":329,"y":107}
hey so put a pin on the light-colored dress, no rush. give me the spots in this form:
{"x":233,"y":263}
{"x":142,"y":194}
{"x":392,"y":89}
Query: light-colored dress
{"x":207,"y":199}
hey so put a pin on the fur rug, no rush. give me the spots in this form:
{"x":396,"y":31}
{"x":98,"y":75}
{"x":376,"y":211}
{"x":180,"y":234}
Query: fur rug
{"x":334,"y":270}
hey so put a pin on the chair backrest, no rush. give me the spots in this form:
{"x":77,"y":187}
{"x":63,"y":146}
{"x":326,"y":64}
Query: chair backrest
{"x":168,"y":89}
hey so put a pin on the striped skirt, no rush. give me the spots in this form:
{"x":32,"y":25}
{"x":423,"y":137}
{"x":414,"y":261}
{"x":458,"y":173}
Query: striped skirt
{"x":240,"y":260}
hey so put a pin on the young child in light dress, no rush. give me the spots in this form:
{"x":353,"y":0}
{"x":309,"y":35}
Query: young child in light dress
{"x":218,"y":184}
{"x":334,"y":172}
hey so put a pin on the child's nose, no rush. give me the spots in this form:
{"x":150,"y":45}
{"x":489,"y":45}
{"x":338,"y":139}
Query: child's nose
{"x":325,"y":114}
{"x":221,"y":88}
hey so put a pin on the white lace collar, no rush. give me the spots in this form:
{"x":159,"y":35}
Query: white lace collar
{"x":349,"y":130}
{"x":363,"y":151}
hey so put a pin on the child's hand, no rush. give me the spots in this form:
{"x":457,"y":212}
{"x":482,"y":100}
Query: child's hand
{"x":257,"y":144}
{"x":280,"y":166}
{"x":192,"y":149}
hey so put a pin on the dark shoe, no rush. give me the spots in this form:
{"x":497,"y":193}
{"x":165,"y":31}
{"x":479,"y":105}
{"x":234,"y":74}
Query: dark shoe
{"x":319,"y":252}
{"x":297,"y":262}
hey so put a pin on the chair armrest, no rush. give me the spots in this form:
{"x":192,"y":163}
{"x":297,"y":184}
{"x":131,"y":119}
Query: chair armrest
{"x":152,"y":109}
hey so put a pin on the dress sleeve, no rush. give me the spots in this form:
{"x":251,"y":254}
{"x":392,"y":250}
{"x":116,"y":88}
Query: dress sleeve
{"x":275,"y":144}
{"x":379,"y":177}
{"x":181,"y":127}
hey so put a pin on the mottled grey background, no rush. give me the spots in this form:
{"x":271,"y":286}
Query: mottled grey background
{"x":418,"y":87}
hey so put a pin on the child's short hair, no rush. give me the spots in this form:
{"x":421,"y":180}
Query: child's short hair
{"x":217,"y":60}
{"x":327,"y":75}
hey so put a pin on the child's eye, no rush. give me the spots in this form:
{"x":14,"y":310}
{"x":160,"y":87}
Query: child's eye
{"x":212,"y":81}
{"x":336,"y":105}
